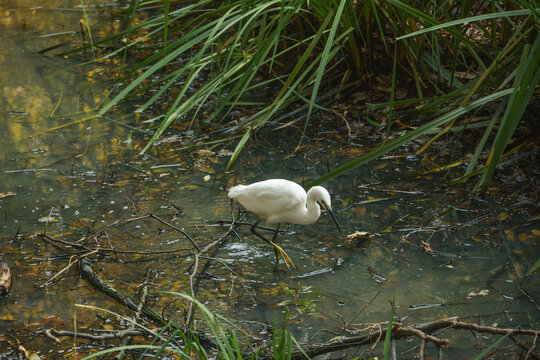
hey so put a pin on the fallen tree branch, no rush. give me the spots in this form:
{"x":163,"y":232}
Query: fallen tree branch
{"x":142,"y":303}
{"x":54,"y":334}
{"x":88,"y":273}
{"x":423,"y":332}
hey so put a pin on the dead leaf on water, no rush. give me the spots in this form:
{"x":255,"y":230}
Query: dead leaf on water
{"x":427,"y":247}
{"x":480,"y":293}
{"x":358,"y":235}
{"x":48,"y":219}
{"x":536,"y":232}
{"x":225,"y":153}
{"x":359,"y":211}
{"x":502,"y":216}
{"x":30,"y":355}
{"x":204,"y":152}
{"x":381,"y":166}
{"x":204,"y":167}
{"x":7,"y":194}
{"x":359,"y":96}
{"x":510,"y":234}
{"x":523,"y":237}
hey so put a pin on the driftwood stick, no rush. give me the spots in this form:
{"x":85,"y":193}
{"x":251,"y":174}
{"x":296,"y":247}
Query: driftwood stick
{"x":55,"y":334}
{"x":423,"y":332}
{"x":88,"y":273}
{"x":454,"y":323}
{"x":142,"y":303}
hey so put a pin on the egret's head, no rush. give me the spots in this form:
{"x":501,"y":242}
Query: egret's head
{"x":321,"y":195}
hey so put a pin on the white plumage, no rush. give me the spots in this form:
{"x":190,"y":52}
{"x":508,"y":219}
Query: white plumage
{"x":278,"y":200}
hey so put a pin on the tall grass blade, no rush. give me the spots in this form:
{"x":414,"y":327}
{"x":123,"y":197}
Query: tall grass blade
{"x":325,"y":59}
{"x":87,"y":23}
{"x":535,"y":267}
{"x":492,"y":346}
{"x":238,"y":149}
{"x":526,"y":80}
{"x":413,"y":134}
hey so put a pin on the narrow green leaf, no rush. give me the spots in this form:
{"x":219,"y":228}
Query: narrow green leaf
{"x":467,"y":20}
{"x":413,"y":134}
{"x":481,"y":355}
{"x":534,"y":267}
{"x":239,"y":148}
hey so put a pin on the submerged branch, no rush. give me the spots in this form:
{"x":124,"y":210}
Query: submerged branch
{"x":422,"y":332}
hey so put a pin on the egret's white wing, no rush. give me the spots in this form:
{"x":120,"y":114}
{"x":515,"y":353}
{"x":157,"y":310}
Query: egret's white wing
{"x":269,"y":197}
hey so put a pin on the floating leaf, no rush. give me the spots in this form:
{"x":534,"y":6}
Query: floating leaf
{"x":480,"y":293}
{"x":502,"y":216}
{"x":48,"y":219}
{"x":359,"y":211}
{"x":510,"y":234}
{"x":523,"y":237}
{"x":358,"y":234}
{"x":189,"y":187}
{"x":7,"y":194}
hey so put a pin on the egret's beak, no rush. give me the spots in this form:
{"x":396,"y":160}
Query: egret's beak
{"x":329,"y":210}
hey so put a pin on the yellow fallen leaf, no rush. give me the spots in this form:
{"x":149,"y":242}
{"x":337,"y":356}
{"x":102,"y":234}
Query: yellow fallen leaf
{"x":502,"y":216}
{"x":189,"y":187}
{"x":523,"y":237}
{"x":510,"y":234}
{"x":48,"y":219}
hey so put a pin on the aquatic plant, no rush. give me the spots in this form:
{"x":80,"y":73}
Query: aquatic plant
{"x":215,"y":57}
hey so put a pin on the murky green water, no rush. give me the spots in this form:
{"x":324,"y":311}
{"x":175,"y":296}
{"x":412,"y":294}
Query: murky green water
{"x":441,"y":252}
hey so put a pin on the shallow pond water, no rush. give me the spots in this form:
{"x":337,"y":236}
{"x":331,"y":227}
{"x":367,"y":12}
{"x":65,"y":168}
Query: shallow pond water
{"x":440,"y":251}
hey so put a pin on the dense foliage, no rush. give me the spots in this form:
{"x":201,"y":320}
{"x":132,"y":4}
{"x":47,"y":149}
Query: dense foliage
{"x":216,"y":57}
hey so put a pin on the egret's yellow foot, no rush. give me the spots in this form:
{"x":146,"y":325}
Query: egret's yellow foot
{"x":280,"y":252}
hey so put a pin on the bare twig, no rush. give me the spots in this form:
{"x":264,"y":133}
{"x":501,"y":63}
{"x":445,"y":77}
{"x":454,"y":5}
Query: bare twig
{"x":154,"y":216}
{"x":127,"y":339}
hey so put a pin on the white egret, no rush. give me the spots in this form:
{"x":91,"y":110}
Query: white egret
{"x":278,"y":200}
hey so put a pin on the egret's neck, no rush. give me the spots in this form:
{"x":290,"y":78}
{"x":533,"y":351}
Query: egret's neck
{"x":313,"y":209}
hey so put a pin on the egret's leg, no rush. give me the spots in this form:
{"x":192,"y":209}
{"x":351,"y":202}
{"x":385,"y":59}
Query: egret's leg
{"x":277,"y":249}
{"x":276,"y":233}
{"x":274,"y":238}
